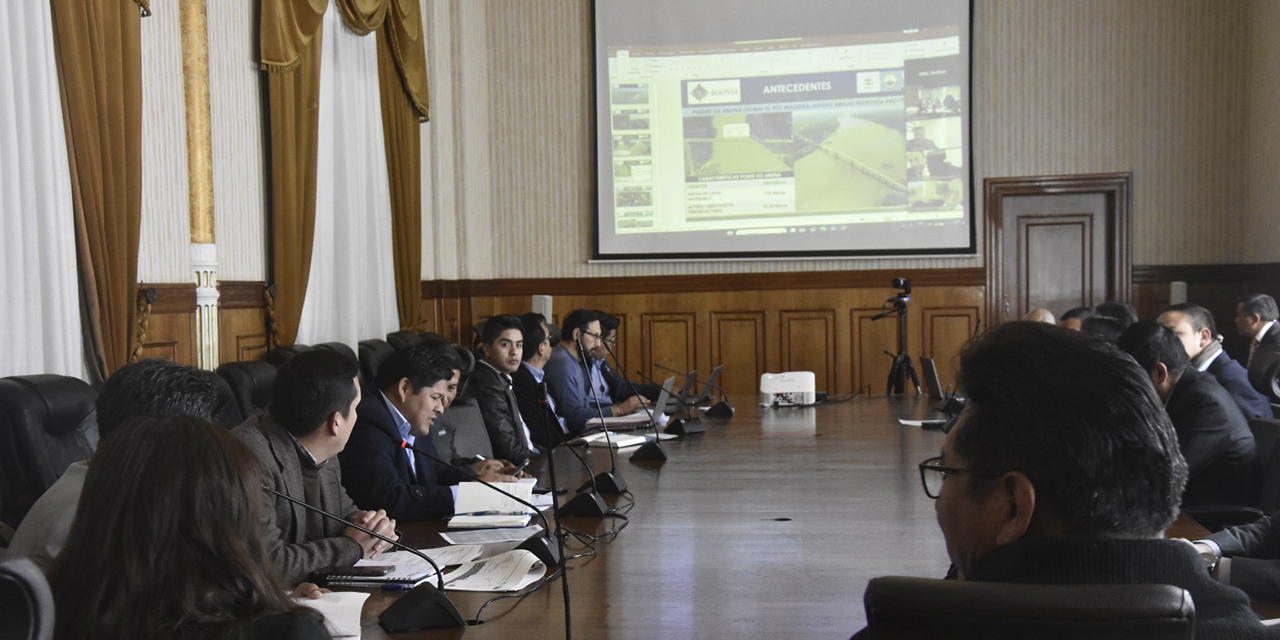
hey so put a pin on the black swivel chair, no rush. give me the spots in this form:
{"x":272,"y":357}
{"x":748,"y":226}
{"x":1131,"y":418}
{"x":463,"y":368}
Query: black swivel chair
{"x":26,"y":605}
{"x":338,"y":347}
{"x":403,"y":339}
{"x":1266,"y":433}
{"x":901,"y":608}
{"x":373,"y":353}
{"x":281,"y":355}
{"x":226,"y":413}
{"x":251,"y":384}
{"x":47,"y":422}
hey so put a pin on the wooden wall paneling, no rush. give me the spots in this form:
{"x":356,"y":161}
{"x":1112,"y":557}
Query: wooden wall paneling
{"x":737,"y":342}
{"x":242,"y":321}
{"x":870,"y":340}
{"x":1216,"y":287}
{"x":945,"y":330}
{"x":668,"y":339}
{"x":171,"y":336}
{"x":809,"y":344}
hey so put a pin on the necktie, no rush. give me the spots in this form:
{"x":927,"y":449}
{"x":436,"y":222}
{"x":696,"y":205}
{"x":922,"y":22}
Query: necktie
{"x":1253,"y":348}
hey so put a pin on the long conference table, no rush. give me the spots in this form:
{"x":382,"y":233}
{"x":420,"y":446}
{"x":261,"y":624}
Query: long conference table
{"x":767,"y":525}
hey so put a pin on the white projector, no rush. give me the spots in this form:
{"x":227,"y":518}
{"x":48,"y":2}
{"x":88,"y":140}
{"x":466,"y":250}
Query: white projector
{"x":790,"y":389}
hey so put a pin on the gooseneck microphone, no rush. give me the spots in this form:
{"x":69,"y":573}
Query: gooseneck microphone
{"x":538,"y":545}
{"x":688,"y":424}
{"x":550,"y":418}
{"x":649,"y":451}
{"x":610,"y":480}
{"x":721,"y":409}
{"x":422,"y":607}
{"x":588,"y":503}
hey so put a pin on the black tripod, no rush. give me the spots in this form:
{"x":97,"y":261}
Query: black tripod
{"x":902,"y":366}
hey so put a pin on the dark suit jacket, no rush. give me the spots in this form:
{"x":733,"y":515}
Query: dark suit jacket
{"x":1235,"y":380}
{"x":377,"y":466}
{"x":620,"y":388}
{"x":1254,"y":550}
{"x":1216,"y":441}
{"x":534,"y":413}
{"x":296,"y":550}
{"x":501,"y":413}
{"x":1271,"y":338}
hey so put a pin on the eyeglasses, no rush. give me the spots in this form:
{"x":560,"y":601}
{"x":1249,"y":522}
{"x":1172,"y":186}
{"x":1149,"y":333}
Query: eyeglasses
{"x":593,"y":335}
{"x":932,"y":475}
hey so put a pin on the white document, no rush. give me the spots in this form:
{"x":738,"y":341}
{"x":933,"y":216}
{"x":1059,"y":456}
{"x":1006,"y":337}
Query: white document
{"x":408,"y":563}
{"x":341,"y":611}
{"x":490,"y":536}
{"x":921,"y":423}
{"x":479,"y":506}
{"x":510,"y":571}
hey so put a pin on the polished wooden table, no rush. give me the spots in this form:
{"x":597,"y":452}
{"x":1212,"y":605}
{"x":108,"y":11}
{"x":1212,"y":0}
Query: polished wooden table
{"x":769,"y":525}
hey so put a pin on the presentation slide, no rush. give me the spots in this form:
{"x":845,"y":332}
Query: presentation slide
{"x":823,"y":128}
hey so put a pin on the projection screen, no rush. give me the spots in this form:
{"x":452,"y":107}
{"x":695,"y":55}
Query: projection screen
{"x":730,"y":129}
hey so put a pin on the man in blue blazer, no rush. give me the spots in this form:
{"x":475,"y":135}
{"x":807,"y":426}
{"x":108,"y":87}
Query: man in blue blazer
{"x":1195,"y":328}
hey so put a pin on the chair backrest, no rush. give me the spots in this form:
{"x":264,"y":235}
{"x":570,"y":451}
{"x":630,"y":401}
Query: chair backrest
{"x":281,"y":355}
{"x":373,"y":353}
{"x":47,"y":422}
{"x":1264,"y":372}
{"x":402,"y":339}
{"x":26,"y":605}
{"x":1266,"y":431}
{"x":340,"y":347}
{"x":251,"y":383}
{"x":226,"y":413}
{"x":459,"y":432}
{"x":899,"y":607}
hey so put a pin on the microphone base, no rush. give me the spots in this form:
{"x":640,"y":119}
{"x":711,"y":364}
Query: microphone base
{"x":584,"y":505}
{"x":422,"y":607}
{"x":544,"y":548}
{"x":607,"y":483}
{"x":649,"y":452}
{"x":685,"y":426}
{"x":720,"y":410}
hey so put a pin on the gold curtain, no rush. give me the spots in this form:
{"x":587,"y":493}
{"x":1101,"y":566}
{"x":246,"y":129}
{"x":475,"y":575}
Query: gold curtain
{"x":291,"y":41}
{"x":99,"y":54}
{"x":403,"y":141}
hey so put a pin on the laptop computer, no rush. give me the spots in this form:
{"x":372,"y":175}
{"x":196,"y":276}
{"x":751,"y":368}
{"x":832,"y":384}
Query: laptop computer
{"x":707,"y":388}
{"x":640,"y":418}
{"x":675,"y":404}
{"x":930,"y":372}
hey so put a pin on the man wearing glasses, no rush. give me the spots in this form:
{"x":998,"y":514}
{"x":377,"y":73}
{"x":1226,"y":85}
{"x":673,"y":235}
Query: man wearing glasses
{"x":608,"y":386}
{"x":1065,"y":469}
{"x":567,"y":382}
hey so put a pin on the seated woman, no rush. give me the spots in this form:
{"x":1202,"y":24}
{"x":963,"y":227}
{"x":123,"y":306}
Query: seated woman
{"x":167,"y":544}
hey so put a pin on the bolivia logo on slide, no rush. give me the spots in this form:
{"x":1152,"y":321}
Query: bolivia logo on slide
{"x":714,"y":91}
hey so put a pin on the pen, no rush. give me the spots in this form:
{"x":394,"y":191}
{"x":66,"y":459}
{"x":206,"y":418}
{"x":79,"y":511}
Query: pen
{"x":391,"y":586}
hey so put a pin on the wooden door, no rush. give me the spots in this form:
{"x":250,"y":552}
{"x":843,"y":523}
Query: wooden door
{"x":1056,"y":242}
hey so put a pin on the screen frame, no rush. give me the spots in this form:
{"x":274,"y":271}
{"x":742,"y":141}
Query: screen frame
{"x":599,"y":257}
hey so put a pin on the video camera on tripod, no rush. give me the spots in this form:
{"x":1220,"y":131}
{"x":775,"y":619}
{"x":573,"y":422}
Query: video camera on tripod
{"x":902,"y":366}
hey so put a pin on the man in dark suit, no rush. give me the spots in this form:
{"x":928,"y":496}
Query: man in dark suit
{"x":525,"y":381}
{"x":1249,"y":558}
{"x":312,"y":412}
{"x":1195,"y":328}
{"x":1064,"y":469}
{"x":501,"y":348}
{"x":1256,"y":319}
{"x":1212,"y":432}
{"x":388,"y":460}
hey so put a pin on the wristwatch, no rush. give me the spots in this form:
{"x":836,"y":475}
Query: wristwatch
{"x":1210,"y":563}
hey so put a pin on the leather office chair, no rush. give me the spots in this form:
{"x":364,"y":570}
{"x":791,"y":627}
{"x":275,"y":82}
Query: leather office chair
{"x":431,"y":335}
{"x":26,"y":604}
{"x":459,"y":432}
{"x":226,"y":413}
{"x":281,"y":355}
{"x":251,"y":384}
{"x":901,"y":608}
{"x":46,"y":422}
{"x":373,"y":353}
{"x":339,"y":347}
{"x":1266,"y":432}
{"x":402,"y":339}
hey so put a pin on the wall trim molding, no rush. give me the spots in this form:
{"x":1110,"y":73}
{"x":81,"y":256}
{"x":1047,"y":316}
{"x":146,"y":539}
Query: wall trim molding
{"x":172,"y":297}
{"x":1228,"y":273}
{"x":972,"y":277}
{"x":241,"y":294}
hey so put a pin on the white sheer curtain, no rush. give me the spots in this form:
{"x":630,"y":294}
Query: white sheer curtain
{"x":351,"y":291}
{"x":40,"y":322}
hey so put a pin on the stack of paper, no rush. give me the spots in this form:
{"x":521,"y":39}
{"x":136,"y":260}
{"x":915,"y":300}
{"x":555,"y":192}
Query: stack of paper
{"x":480,"y":506}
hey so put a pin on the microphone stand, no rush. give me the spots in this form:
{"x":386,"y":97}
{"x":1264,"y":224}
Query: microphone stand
{"x":690,"y":423}
{"x":608,"y":481}
{"x":588,"y":503}
{"x":550,"y":418}
{"x":422,"y":607}
{"x":538,"y":545}
{"x":720,"y":409}
{"x":649,"y":451}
